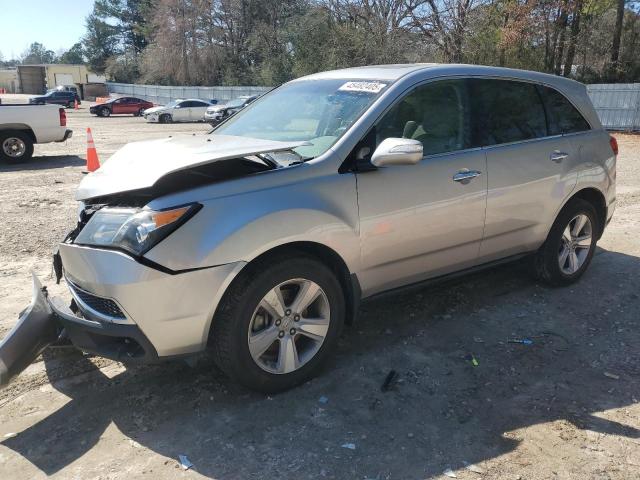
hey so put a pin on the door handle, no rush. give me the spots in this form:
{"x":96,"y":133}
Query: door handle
{"x":558,"y":156}
{"x":466,"y":175}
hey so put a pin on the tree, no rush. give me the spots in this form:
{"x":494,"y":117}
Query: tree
{"x":36,"y":54}
{"x":75,"y":55}
{"x":117,"y":27}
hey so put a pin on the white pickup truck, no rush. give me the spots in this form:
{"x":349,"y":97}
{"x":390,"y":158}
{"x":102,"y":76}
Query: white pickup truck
{"x":21,"y":126}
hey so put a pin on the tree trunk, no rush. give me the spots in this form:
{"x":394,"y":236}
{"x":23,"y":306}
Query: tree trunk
{"x":562,"y":25}
{"x":575,"y":31}
{"x":617,"y":34}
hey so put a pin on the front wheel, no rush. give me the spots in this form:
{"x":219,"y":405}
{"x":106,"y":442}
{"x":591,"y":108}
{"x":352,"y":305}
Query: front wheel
{"x":15,"y":147}
{"x":278,"y":323}
{"x":104,"y":112}
{"x":570,"y":245}
{"x":165,"y":118}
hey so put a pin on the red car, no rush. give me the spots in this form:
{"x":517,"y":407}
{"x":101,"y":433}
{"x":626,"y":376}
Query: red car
{"x":123,"y":105}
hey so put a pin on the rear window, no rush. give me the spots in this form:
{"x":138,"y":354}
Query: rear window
{"x":563,"y":116}
{"x":505,"y":111}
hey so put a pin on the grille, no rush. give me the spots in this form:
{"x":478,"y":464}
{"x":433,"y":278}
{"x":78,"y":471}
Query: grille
{"x":101,"y":305}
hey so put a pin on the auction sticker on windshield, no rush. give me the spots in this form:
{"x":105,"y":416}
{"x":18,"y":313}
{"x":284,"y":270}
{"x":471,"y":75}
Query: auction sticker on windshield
{"x":370,"y":87}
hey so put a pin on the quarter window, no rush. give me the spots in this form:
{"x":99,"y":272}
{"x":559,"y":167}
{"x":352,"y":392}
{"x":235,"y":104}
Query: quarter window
{"x":563,"y":116}
{"x":505,"y":111}
{"x":435,"y":114}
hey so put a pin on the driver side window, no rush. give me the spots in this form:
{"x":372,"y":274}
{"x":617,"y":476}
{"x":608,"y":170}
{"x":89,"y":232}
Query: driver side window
{"x":436,"y":114}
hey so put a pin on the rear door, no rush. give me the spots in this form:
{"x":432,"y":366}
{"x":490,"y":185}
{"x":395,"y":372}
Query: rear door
{"x":530,"y":167}
{"x":198,"y":110}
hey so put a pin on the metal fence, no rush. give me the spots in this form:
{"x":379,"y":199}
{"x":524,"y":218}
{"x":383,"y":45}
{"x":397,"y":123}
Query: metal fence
{"x":618,"y":105}
{"x":164,"y":94}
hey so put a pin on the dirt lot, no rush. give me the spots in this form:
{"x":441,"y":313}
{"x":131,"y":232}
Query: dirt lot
{"x":566,"y":407}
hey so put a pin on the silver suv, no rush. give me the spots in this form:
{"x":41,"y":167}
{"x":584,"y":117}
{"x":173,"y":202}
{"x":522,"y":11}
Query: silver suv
{"x":260,"y":239}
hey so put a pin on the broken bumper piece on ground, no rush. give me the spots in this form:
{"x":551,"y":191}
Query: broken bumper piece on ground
{"x":47,"y":320}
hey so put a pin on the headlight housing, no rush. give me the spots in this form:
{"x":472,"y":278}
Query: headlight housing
{"x":135,"y":230}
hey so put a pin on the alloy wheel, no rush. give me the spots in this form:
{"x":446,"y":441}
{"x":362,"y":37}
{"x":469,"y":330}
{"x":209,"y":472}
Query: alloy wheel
{"x":14,"y":147}
{"x":575,"y":244}
{"x":289,"y":326}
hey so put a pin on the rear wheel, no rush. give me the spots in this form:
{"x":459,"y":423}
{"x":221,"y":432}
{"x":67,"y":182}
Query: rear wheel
{"x":570,"y":245}
{"x":15,"y":146}
{"x":278,"y":323}
{"x":139,"y":113}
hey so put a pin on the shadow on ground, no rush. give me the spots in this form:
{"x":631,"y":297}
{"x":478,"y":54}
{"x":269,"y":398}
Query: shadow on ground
{"x":442,"y":412}
{"x":44,"y":162}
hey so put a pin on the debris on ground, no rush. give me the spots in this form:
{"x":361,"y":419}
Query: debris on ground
{"x":522,"y":341}
{"x":389,"y":381}
{"x":323,"y":399}
{"x":185,"y":463}
{"x":350,"y":446}
{"x":612,"y":375}
{"x":474,"y":468}
{"x":449,"y":473}
{"x":472,"y":359}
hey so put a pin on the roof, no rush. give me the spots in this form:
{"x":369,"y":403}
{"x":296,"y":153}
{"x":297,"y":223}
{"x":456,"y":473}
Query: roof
{"x":395,"y":72}
{"x":378,"y":72}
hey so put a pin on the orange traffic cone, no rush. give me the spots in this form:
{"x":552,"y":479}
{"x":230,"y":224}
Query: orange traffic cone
{"x":75,"y":104}
{"x":93,"y":163}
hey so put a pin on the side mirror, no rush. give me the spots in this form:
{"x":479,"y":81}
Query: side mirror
{"x":397,"y":151}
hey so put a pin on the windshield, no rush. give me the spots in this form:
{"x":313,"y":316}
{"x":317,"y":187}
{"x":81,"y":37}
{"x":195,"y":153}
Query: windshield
{"x":172,"y":104}
{"x":316,"y":111}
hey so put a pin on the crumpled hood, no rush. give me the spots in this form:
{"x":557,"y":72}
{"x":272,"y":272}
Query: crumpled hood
{"x":156,"y":109}
{"x":141,"y":164}
{"x":216,"y":108}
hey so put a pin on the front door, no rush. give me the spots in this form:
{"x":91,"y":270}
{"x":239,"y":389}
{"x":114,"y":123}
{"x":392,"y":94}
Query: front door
{"x":424,"y":220}
{"x":182,"y":112}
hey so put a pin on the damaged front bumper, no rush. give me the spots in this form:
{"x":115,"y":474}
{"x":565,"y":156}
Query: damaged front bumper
{"x":48,"y":320}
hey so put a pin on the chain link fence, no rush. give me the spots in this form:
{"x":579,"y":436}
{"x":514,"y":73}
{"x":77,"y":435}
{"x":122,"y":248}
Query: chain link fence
{"x":618,"y":105}
{"x":161,"y":94}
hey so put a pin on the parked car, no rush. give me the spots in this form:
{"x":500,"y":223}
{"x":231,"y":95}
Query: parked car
{"x":218,"y":113}
{"x":64,"y":88}
{"x":123,"y":105}
{"x":23,"y":125}
{"x":260,"y":239}
{"x":189,"y":110}
{"x":56,"y":97}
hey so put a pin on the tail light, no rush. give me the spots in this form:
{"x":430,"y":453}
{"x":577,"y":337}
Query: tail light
{"x":63,"y":117}
{"x":614,"y":144}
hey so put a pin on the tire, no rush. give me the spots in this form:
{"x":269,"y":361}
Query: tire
{"x":547,"y":260}
{"x":165,"y":118}
{"x":104,"y":112}
{"x":139,"y":113}
{"x":70,"y":105}
{"x":240,"y":309}
{"x":15,"y":146}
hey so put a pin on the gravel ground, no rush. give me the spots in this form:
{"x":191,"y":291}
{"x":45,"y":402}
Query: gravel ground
{"x":566,"y":407}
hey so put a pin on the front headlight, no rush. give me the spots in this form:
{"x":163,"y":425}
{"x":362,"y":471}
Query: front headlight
{"x":133,"y":229}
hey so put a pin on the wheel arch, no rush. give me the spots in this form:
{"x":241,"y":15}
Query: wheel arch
{"x":326,"y":255}
{"x":596,"y":198}
{"x":8,"y":127}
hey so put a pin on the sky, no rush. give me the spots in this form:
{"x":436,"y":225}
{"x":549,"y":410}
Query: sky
{"x":57,"y":24}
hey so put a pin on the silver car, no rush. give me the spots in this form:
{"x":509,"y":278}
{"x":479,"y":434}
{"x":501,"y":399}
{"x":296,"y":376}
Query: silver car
{"x":190,"y":110}
{"x":259,"y":240}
